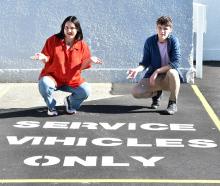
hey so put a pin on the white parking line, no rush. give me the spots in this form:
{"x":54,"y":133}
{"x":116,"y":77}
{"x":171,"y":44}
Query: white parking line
{"x":189,"y":181}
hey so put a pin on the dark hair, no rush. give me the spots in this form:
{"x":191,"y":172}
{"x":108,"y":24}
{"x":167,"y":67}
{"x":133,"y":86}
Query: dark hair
{"x":73,"y":19}
{"x":165,"y":20}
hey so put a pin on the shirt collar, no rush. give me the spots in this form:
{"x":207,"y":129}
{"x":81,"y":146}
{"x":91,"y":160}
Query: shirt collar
{"x":76,"y":45}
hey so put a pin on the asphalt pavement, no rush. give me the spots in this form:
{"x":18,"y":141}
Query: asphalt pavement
{"x":114,"y":139}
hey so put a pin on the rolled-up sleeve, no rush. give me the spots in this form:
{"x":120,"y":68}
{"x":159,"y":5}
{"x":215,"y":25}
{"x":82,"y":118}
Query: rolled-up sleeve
{"x":86,"y":55}
{"x":48,"y":48}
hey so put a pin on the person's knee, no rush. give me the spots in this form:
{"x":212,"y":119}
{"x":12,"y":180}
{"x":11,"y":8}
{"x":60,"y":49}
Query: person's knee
{"x":135,"y":93}
{"x":45,"y":84}
{"x":173,"y":73}
{"x":84,"y":92}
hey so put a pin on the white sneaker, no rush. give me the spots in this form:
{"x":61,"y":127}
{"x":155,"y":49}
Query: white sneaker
{"x":67,"y":104}
{"x":172,"y":107}
{"x":52,"y":112}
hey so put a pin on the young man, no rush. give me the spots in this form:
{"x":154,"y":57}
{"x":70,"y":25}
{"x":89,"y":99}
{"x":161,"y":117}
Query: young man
{"x":162,"y":58}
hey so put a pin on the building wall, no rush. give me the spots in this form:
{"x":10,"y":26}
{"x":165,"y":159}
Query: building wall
{"x":211,"y":42}
{"x":114,"y":29}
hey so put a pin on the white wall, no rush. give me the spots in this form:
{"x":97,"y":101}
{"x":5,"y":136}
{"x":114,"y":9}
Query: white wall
{"x":212,"y":36}
{"x":115,"y":30}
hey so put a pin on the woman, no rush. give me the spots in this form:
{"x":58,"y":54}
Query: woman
{"x":65,"y":55}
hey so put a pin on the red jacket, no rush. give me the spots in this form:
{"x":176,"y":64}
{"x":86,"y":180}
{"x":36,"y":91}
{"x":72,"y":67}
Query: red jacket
{"x":64,"y":65}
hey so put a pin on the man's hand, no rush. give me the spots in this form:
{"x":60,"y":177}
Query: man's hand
{"x":132,"y":73}
{"x":153,"y":78}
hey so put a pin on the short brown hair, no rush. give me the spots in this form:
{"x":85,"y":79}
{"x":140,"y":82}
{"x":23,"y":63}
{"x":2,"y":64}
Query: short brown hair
{"x":165,"y":20}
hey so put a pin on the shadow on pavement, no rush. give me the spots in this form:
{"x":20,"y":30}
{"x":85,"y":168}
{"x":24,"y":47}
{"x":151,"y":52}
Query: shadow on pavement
{"x":118,"y":109}
{"x":101,"y":109}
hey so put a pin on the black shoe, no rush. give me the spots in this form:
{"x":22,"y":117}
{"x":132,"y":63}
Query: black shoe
{"x":172,"y":107}
{"x":155,"y":104}
{"x":156,"y":100}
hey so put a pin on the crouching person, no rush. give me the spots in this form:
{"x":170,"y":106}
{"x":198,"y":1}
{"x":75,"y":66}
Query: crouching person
{"x":161,"y":58}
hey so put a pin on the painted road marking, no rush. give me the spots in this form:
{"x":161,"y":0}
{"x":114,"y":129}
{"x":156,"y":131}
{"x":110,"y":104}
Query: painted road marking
{"x":207,"y":107}
{"x":109,"y":181}
{"x":210,"y":112}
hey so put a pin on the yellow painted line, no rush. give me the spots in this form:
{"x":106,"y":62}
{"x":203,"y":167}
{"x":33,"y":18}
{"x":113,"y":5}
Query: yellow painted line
{"x":207,"y":107}
{"x":109,"y":181}
{"x":4,"y":90}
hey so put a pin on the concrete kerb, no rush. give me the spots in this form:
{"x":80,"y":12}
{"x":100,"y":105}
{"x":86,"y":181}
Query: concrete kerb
{"x":26,"y":95}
